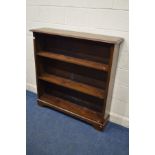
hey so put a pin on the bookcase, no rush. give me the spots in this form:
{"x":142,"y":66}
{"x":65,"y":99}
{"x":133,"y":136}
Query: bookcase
{"x":75,"y":73}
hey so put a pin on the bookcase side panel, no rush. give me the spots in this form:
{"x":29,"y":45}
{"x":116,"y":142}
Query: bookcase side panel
{"x":114,"y":60}
{"x":38,"y":67}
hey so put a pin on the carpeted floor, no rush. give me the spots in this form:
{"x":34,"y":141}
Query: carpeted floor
{"x":52,"y":133}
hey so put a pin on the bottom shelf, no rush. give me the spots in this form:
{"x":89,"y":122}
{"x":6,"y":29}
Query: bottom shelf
{"x":70,"y":108}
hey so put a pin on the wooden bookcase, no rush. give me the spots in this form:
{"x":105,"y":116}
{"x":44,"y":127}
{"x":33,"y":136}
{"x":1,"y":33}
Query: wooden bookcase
{"x":75,"y":73}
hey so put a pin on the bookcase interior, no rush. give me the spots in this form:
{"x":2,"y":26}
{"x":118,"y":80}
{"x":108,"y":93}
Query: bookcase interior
{"x":78,"y":48}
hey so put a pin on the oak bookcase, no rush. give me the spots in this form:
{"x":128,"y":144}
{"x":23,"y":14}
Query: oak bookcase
{"x":75,"y":73}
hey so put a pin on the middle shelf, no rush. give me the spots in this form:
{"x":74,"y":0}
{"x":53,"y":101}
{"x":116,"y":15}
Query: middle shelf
{"x":74,"y":60}
{"x":78,"y":86}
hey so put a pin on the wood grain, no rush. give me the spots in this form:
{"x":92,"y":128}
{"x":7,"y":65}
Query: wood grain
{"x":90,"y":90}
{"x":82,"y":62}
{"x":80,"y":35}
{"x":71,"y":108}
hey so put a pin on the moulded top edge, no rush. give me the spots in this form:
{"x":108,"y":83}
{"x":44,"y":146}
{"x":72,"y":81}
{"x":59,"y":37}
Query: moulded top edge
{"x":80,"y":35}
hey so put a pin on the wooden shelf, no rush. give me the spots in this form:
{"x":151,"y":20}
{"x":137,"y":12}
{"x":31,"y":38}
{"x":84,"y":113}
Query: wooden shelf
{"x":71,"y":108}
{"x":87,"y":89}
{"x":77,"y":61}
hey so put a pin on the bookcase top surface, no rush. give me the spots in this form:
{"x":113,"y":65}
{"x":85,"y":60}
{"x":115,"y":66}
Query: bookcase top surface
{"x":80,"y":35}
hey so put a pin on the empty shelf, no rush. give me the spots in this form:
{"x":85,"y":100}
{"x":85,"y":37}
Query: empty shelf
{"x":77,"y":61}
{"x":84,"y":88}
{"x":71,"y":108}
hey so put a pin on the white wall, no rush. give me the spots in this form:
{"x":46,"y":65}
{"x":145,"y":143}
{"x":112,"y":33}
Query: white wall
{"x":109,"y":17}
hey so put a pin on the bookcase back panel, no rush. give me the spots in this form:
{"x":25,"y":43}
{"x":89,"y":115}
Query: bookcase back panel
{"x":74,"y":72}
{"x":84,"y":49}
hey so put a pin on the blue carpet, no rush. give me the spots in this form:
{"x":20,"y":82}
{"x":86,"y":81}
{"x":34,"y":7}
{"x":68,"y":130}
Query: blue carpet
{"x":52,"y":133}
